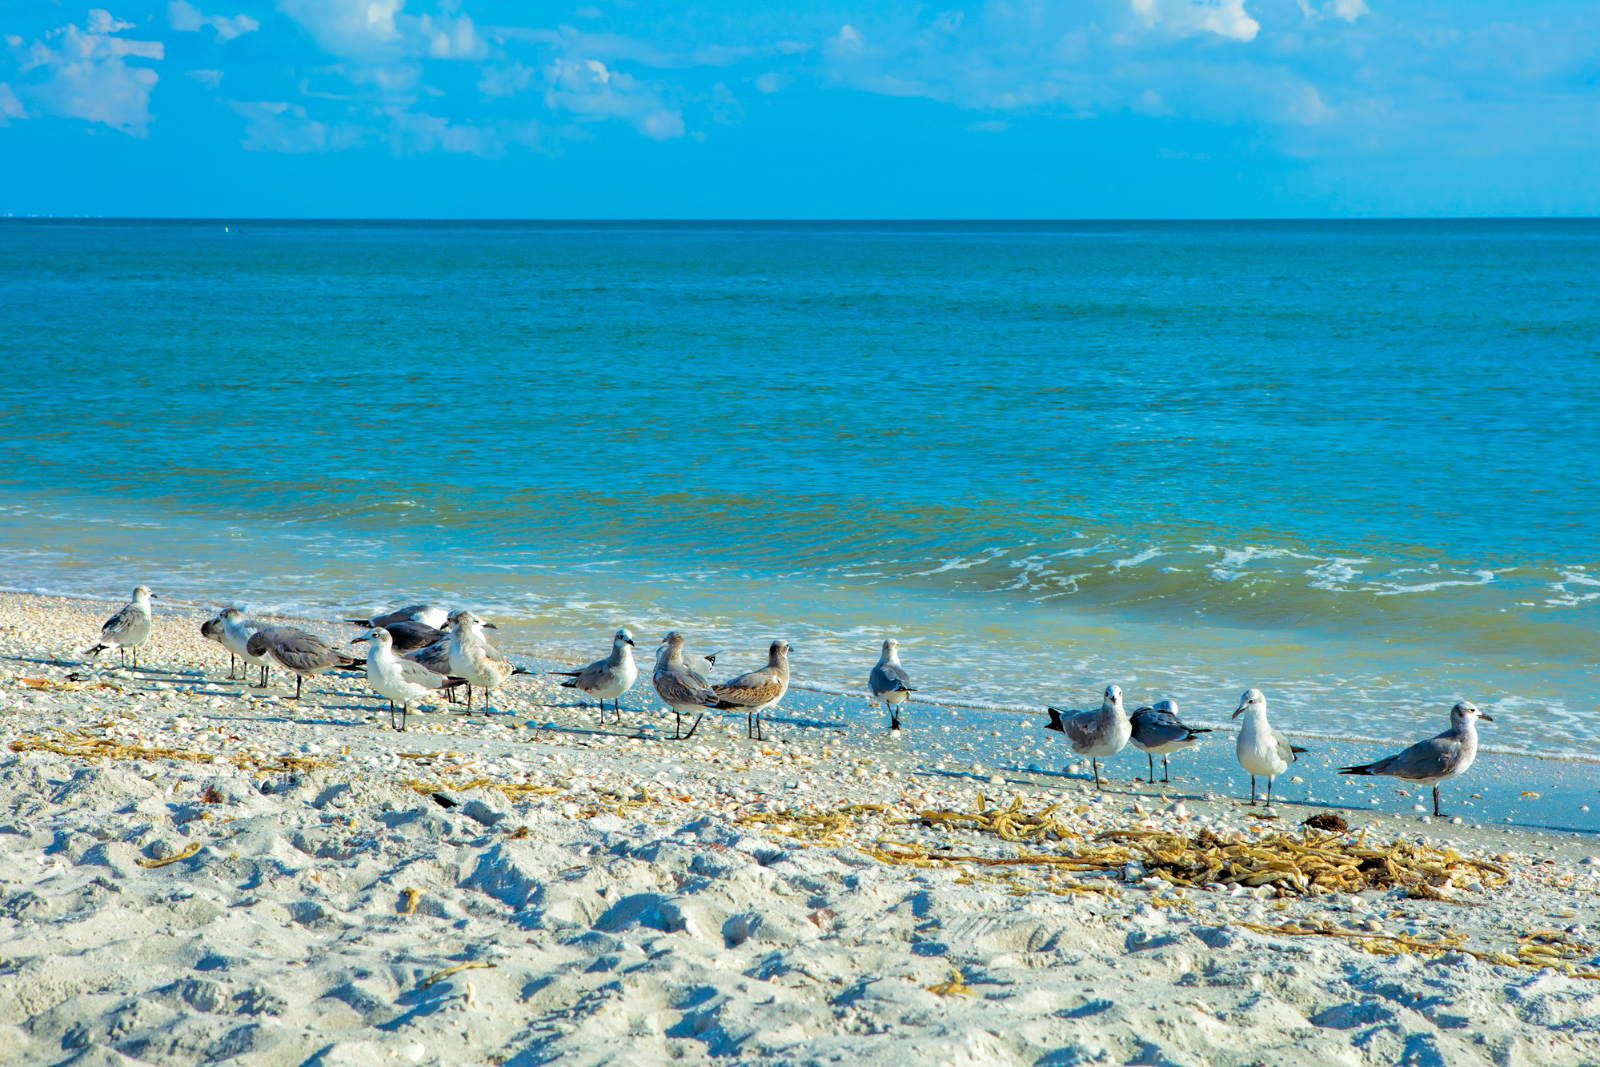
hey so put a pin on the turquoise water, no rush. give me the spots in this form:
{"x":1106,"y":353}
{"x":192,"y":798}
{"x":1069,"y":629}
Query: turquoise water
{"x":1351,"y":463}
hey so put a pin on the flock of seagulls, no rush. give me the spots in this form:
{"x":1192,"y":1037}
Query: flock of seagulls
{"x":416,"y":652}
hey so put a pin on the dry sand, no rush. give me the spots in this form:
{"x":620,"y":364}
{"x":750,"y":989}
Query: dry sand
{"x":264,"y":884}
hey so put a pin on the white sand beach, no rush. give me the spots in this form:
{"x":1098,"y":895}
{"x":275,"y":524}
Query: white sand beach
{"x":195,"y":871}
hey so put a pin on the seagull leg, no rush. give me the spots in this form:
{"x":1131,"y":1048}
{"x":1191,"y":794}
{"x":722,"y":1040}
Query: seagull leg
{"x":695,"y":727}
{"x":1269,"y":790}
{"x":1152,"y":761}
{"x":1165,"y":776}
{"x":1095,"y":763}
{"x":403,"y":709}
{"x":1252,"y":790}
{"x":894,"y":720}
{"x":299,"y":680}
{"x":392,"y":726}
{"x":1436,"y":811}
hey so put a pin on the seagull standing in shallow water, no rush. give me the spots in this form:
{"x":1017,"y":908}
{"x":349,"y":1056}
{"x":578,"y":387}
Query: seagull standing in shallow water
{"x":1157,"y":732}
{"x":606,"y":679}
{"x":889,"y":681}
{"x":1438,"y":759}
{"x":1095,"y":733}
{"x":1261,"y":749}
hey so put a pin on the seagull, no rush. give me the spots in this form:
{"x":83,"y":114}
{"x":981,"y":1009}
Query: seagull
{"x":298,"y":652}
{"x":606,"y":679}
{"x":889,"y":681}
{"x":127,"y":629}
{"x":759,"y":690}
{"x":1157,"y":731}
{"x":211,"y":630}
{"x":236,"y":634}
{"x":701,"y":665}
{"x":1262,"y":750}
{"x":399,"y":679}
{"x":680,"y":687}
{"x":411,"y":634}
{"x":427,"y":614}
{"x":1095,"y":733}
{"x":472,"y":657}
{"x":1437,"y":759}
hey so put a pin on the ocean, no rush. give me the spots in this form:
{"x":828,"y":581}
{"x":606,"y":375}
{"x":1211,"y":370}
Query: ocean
{"x":1352,"y":464}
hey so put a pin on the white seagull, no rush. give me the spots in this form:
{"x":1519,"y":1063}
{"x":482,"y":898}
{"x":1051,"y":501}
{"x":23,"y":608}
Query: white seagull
{"x":127,"y":629}
{"x":400,"y":680}
{"x":1261,"y":749}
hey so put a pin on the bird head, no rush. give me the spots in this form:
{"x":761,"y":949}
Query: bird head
{"x":1251,"y":700}
{"x":1466,"y":711}
{"x":623,"y":636}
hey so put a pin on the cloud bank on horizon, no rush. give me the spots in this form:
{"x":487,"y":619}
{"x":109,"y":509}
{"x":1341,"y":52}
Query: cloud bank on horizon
{"x":1465,"y":84}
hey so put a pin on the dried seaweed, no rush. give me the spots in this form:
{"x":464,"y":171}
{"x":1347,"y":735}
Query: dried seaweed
{"x":470,"y":965}
{"x":83,"y":745}
{"x":185,"y":854}
{"x":956,"y":986}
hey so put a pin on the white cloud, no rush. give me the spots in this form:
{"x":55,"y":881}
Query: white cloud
{"x":272,"y":126}
{"x":847,"y":43}
{"x":379,"y":30}
{"x":10,"y":106}
{"x":773,"y":82}
{"x":1349,"y":10}
{"x":102,"y":21}
{"x":590,"y":90}
{"x":209,"y":78}
{"x":87,"y":76}
{"x":186,"y":18}
{"x":505,"y":80}
{"x":1184,"y":18}
{"x":411,"y":132}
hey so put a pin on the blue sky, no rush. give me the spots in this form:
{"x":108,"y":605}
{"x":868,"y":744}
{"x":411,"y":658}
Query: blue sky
{"x":1066,"y":109}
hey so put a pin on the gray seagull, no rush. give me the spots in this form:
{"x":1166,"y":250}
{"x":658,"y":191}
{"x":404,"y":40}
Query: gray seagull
{"x":1438,"y":759}
{"x":1157,"y":732}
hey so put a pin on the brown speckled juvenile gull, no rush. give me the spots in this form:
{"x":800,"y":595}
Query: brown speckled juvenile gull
{"x":758,"y":690}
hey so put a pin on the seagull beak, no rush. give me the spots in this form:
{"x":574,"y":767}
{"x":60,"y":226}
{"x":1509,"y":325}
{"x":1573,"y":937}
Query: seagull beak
{"x":629,"y":640}
{"x":490,"y":626}
{"x":1240,"y":712}
{"x":1485,"y":716}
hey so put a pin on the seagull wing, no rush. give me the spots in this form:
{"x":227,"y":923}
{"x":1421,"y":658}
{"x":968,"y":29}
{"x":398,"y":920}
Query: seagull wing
{"x":681,"y":688}
{"x":751,"y":690}
{"x":887,"y":678}
{"x":1433,"y":758}
{"x":415,"y":673}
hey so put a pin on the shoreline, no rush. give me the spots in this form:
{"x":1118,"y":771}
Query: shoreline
{"x":294,"y":888}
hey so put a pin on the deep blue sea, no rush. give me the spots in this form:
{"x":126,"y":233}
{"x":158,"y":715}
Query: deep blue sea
{"x":1351,"y":463}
